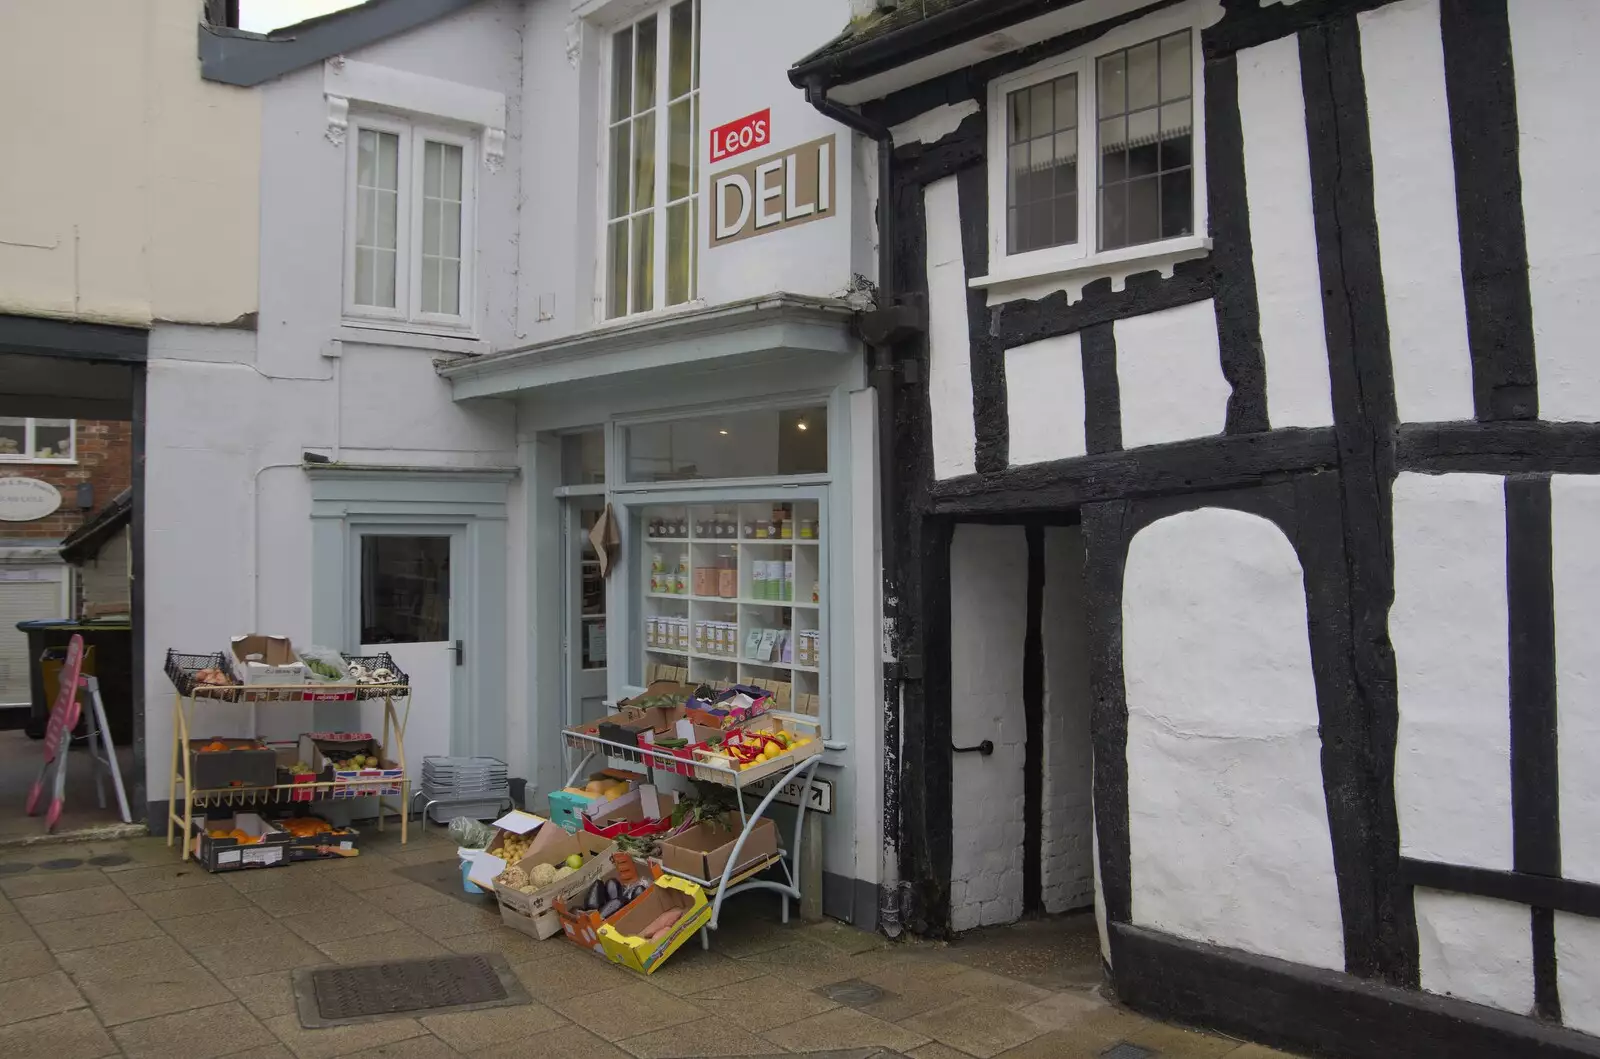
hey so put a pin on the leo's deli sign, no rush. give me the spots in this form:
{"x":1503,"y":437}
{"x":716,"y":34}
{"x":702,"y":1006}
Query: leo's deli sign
{"x":774,"y":192}
{"x":26,"y":499}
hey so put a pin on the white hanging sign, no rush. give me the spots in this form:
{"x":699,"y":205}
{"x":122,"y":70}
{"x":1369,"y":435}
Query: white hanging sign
{"x":27,"y":499}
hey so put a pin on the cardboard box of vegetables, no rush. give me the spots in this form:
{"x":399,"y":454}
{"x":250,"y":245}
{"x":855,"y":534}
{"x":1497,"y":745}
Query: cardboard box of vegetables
{"x":656,"y":924}
{"x":556,"y":864}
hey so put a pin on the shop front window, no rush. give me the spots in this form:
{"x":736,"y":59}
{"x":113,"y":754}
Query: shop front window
{"x":759,"y":443}
{"x":733,"y":593}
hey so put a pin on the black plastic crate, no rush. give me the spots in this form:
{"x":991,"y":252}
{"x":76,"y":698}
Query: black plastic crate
{"x":229,"y":854}
{"x":246,"y":763}
{"x":327,"y":844}
{"x":399,"y":688}
{"x":183,"y":669}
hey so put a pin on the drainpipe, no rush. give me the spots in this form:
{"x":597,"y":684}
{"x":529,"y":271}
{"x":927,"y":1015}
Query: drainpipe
{"x":881,"y":328}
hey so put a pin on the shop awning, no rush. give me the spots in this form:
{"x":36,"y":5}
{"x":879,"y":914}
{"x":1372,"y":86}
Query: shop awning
{"x":723,"y":336}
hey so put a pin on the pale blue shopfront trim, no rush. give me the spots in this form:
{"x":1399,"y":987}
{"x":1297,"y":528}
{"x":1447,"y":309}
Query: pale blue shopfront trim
{"x":469,"y":505}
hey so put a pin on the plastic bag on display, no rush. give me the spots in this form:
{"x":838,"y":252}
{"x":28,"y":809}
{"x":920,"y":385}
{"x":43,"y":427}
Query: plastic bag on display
{"x":471,"y":834}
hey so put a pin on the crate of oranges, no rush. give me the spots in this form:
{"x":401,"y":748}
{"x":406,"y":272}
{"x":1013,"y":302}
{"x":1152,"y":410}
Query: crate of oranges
{"x":244,"y":840}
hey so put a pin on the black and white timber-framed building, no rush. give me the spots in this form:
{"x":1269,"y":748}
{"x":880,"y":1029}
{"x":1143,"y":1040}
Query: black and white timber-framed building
{"x":1241,"y":448}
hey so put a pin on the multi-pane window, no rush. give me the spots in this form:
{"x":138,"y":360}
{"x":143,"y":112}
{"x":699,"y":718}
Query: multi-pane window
{"x":1042,"y":146}
{"x":410,"y":224}
{"x":1130,"y":114}
{"x":653,"y":185}
{"x":1146,"y":143}
{"x":30,"y":440}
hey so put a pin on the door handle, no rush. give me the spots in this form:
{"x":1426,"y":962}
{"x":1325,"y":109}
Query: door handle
{"x":985,"y":748}
{"x":458,"y":651}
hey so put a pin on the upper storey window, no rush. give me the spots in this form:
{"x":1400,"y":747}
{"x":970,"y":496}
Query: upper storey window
{"x":1093,"y":154}
{"x":408,"y":242}
{"x":652,"y":163}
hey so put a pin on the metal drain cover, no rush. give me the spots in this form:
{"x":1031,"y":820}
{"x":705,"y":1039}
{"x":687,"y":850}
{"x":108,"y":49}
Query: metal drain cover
{"x":110,"y":860}
{"x":1124,"y":1050}
{"x":854,"y":993}
{"x":339,"y":996}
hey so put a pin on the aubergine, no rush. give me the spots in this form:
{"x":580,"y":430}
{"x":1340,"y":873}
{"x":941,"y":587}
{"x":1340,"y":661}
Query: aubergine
{"x":610,"y":908}
{"x":596,"y":897}
{"x":613,"y":890}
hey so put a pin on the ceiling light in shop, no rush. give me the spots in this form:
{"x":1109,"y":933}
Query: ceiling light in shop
{"x":724,"y":433}
{"x":801,"y":425}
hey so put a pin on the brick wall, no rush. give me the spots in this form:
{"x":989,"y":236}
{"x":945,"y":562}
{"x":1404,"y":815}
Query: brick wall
{"x":105,"y":460}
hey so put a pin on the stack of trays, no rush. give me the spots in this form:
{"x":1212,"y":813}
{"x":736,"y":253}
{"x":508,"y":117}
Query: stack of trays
{"x":464,"y":786}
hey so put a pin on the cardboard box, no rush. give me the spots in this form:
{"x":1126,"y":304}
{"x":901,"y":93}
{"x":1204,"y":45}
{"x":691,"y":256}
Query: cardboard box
{"x":246,"y":763}
{"x":551,"y":846}
{"x":326,"y":843}
{"x":487,"y":865}
{"x":696,"y":735}
{"x":582,"y":925}
{"x":230,"y":854}
{"x":277,"y":663}
{"x":541,"y":927}
{"x":703,"y":851}
{"x":621,"y":938}
{"x":319,"y":750}
{"x":645,"y":811}
{"x":680,"y":691}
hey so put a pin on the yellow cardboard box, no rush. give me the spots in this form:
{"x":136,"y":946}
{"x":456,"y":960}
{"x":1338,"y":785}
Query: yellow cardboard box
{"x":622,"y":942}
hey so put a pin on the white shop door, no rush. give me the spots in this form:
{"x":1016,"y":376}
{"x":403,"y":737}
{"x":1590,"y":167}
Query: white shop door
{"x":408,"y":608}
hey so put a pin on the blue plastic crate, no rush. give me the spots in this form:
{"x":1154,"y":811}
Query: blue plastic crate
{"x":566,"y":808}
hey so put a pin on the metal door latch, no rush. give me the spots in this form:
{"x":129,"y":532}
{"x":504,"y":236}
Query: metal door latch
{"x":457,"y":651}
{"x":985,"y":748}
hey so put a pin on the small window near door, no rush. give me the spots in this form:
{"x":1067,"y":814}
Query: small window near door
{"x":405,"y":589}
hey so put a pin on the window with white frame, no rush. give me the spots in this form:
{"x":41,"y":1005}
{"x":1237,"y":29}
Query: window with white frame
{"x":1096,"y":152}
{"x":409,"y":223}
{"x":652,"y":213}
{"x":30,"y":440}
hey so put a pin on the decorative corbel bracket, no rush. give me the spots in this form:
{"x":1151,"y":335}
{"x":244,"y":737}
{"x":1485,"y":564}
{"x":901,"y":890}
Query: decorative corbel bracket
{"x":494,"y":149}
{"x":338,"y":120}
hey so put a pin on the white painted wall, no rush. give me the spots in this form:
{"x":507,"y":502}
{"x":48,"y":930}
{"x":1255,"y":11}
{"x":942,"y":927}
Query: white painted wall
{"x":1227,"y":819}
{"x":988,"y":621}
{"x":1067,"y":821}
{"x":1556,"y":53}
{"x":1475,"y":949}
{"x":1169,"y":374}
{"x":1414,"y":180}
{"x":949,"y":344}
{"x":1448,"y":626}
{"x":1574,"y":528}
{"x":1578,"y":971}
{"x":128,"y":192}
{"x":1045,"y":400}
{"x":1282,"y":236}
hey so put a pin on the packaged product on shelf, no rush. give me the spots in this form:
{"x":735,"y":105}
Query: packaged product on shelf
{"x":260,"y":659}
{"x":727,"y":576}
{"x":788,"y":580}
{"x":680,"y":578}
{"x":705,"y":581}
{"x":758,"y":580}
{"x":808,"y":530}
{"x":768,"y":642}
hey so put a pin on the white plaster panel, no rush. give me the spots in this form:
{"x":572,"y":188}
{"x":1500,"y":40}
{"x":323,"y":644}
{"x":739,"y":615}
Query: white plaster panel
{"x":949,"y":344}
{"x":988,"y":620}
{"x":1044,"y":398}
{"x":1574,"y":529}
{"x":1556,"y":52}
{"x":1283,"y":239}
{"x":1169,"y":372}
{"x":933,"y":125}
{"x":1414,"y":184}
{"x":1448,"y":627}
{"x":1067,"y":818}
{"x":1226,"y":813}
{"x":1578,"y":971}
{"x":1476,"y":949}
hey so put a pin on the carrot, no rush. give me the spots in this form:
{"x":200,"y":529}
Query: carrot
{"x":662,"y":923}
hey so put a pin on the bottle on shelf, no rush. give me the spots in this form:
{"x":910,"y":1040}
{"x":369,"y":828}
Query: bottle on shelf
{"x":727,"y":575}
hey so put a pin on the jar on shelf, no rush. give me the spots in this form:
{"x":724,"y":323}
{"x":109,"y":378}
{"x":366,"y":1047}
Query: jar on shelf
{"x":808,"y":529}
{"x":816,"y":592}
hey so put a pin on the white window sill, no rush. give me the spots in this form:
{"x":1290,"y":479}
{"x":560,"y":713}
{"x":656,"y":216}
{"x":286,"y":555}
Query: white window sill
{"x":36,"y":461}
{"x":1124,"y":261}
{"x":412,"y":336}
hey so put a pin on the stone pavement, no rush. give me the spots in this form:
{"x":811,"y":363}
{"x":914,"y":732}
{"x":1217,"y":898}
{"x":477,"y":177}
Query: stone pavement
{"x":140,"y":955}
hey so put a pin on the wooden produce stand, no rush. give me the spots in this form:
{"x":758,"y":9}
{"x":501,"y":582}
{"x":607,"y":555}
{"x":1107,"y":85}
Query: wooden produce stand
{"x":184,"y":669}
{"x":736,"y":877}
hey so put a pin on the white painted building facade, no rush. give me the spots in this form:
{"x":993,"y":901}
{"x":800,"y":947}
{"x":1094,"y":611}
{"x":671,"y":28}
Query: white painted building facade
{"x":421,"y":393}
{"x":1262,"y":433}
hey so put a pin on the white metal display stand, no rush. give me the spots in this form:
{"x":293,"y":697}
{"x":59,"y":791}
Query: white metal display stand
{"x":736,"y":878}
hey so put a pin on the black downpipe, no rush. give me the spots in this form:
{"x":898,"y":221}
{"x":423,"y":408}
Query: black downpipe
{"x":882,"y":376}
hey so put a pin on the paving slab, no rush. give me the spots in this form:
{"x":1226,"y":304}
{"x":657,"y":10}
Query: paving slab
{"x":265,"y":995}
{"x":471,"y":1031}
{"x":160,"y":877}
{"x":87,"y":932}
{"x":210,"y":927}
{"x":978,"y":1027}
{"x":203,"y":1033}
{"x":271,"y":952}
{"x":70,"y":904}
{"x":410,"y":1048}
{"x":35,"y":997}
{"x":718,"y":1035}
{"x":566,"y":1042}
{"x":647,"y":1008}
{"x":340,"y":1040}
{"x":781,"y":1003}
{"x":844,"y":1028}
{"x":69,"y":1035}
{"x":402,"y":944}
{"x":24,"y":959}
